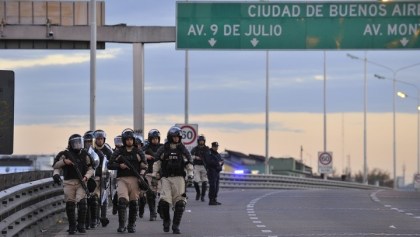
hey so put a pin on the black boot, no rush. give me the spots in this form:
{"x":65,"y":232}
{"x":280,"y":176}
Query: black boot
{"x":142,"y":204}
{"x":179,"y":210}
{"x":132,"y":215}
{"x":197,"y":191}
{"x":71,"y":216}
{"x":203,"y":190}
{"x":164,"y":211}
{"x":81,"y":215}
{"x":212,"y":202}
{"x":115,"y":204}
{"x":87,"y":221}
{"x":122,"y":214}
{"x":104,"y":219}
{"x":151,"y":201}
{"x":94,"y":208}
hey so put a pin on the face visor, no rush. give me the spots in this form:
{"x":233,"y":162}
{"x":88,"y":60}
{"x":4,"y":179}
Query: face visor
{"x":100,"y":134}
{"x":118,"y":141}
{"x":76,"y":143}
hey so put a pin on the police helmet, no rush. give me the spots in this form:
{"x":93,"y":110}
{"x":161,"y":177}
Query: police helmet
{"x":99,"y":134}
{"x":118,"y":141}
{"x":139,"y":139}
{"x":75,"y":142}
{"x":153,"y":133}
{"x":174,"y":132}
{"x":201,"y":138}
{"x":88,"y":136}
{"x":128,"y":133}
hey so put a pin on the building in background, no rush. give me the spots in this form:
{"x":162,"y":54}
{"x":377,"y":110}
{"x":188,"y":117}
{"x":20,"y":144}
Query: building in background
{"x":24,"y":163}
{"x":237,"y":162}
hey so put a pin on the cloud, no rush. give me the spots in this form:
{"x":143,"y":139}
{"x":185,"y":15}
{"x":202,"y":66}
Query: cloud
{"x":57,"y":59}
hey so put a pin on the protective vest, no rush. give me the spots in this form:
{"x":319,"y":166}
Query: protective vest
{"x":79,"y":161}
{"x":200,"y":151}
{"x":102,"y":152}
{"x":132,"y":158}
{"x":151,"y":149}
{"x":172,"y":162}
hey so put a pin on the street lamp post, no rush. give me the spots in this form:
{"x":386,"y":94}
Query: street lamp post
{"x":394,"y":77}
{"x":365,"y":178}
{"x":394,"y":143}
{"x":404,"y":95}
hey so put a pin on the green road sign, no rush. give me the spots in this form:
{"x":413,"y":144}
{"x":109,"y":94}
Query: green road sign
{"x":287,"y":25}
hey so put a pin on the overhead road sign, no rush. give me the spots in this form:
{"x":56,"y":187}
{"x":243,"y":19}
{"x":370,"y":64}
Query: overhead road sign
{"x":300,"y":25}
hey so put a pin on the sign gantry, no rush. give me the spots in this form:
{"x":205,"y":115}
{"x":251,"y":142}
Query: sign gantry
{"x":309,"y":25}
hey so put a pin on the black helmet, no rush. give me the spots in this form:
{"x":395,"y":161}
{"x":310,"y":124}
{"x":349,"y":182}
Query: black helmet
{"x":75,"y":142}
{"x":174,"y":132}
{"x":99,"y":134}
{"x":118,"y":141}
{"x":88,"y":136}
{"x":154,"y":133}
{"x":139,"y":139}
{"x":128,"y":133}
{"x":201,"y":138}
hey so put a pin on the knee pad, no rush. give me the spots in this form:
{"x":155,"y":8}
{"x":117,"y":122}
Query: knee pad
{"x":93,"y":200}
{"x":83,"y":202}
{"x":180,"y":205}
{"x":122,"y":202}
{"x":133,"y":204}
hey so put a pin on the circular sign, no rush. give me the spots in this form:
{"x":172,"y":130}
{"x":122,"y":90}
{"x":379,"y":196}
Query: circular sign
{"x":189,"y":134}
{"x":417,"y":178}
{"x":325,"y":158}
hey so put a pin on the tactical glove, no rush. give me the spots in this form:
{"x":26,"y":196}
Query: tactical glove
{"x":154,"y":182}
{"x":57,"y":179}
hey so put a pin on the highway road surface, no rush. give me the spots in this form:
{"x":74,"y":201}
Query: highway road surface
{"x":270,"y":213}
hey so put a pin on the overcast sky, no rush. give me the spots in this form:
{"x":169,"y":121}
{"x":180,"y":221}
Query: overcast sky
{"x":227,"y":94}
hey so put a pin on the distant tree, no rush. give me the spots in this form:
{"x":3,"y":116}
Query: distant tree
{"x":374,"y":176}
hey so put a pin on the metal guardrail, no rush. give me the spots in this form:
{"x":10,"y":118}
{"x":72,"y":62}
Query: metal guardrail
{"x":13,"y":179}
{"x":28,"y":209}
{"x":229,"y":180}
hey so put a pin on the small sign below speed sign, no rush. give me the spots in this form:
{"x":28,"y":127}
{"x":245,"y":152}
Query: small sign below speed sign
{"x":325,"y":163}
{"x":189,"y":135}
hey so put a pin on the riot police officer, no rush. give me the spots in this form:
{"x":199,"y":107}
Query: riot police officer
{"x":171,"y":161}
{"x":127,"y":181}
{"x":102,"y":175}
{"x":118,"y":144}
{"x":150,"y":149}
{"x":92,"y":201}
{"x":77,"y":169}
{"x":198,"y":154}
{"x":142,"y":196}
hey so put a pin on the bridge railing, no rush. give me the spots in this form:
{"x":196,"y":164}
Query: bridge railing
{"x":229,"y":180}
{"x":29,"y":208}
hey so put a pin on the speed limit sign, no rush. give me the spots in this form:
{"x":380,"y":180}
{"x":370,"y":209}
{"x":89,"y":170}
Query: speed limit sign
{"x":325,"y":163}
{"x":417,"y":181}
{"x":189,"y":134}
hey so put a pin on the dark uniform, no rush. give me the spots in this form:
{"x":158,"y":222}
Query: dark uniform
{"x":102,"y":175}
{"x":92,"y":203}
{"x":150,"y":149}
{"x":118,"y":144}
{"x":171,"y":161}
{"x":214,"y":164}
{"x":127,"y":181}
{"x":73,"y":160}
{"x":198,"y":154}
